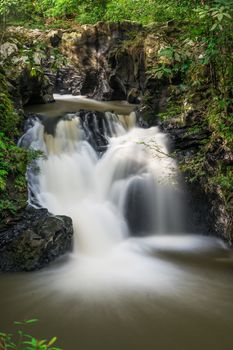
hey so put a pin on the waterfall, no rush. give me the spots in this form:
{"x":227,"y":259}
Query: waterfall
{"x":132,"y":278}
{"x":111,"y":177}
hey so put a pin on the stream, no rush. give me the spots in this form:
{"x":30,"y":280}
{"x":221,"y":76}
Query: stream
{"x":137,"y":277}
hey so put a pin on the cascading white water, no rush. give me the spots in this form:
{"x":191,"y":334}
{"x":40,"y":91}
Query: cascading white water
{"x":127,"y":190}
{"x":118,"y":290}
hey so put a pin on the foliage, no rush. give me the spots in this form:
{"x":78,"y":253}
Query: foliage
{"x":221,"y":177}
{"x":9,"y":152}
{"x":89,"y":11}
{"x":15,"y":8}
{"x":172,"y":111}
{"x":8,"y":117}
{"x":24,"y":341}
{"x":194,"y":166}
{"x":13,"y":159}
{"x":13,"y":166}
{"x":13,"y":187}
{"x":220,"y":122}
{"x":202,"y":56}
{"x":92,"y":11}
{"x":171,"y":60}
{"x":148,"y":11}
{"x":215,"y":37}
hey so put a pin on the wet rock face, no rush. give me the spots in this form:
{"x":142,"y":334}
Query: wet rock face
{"x":106,"y":61}
{"x":35,"y":90}
{"x":26,"y":89}
{"x":37,"y":239}
{"x":102,"y":64}
{"x":209,"y":212}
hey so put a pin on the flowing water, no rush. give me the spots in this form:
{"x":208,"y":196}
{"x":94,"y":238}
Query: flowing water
{"x":137,"y":277}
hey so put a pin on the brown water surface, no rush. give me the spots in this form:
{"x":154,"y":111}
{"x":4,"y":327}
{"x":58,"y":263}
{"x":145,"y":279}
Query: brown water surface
{"x":177,"y":295}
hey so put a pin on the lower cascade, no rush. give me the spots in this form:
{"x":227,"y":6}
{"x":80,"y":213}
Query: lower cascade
{"x":113,"y":178}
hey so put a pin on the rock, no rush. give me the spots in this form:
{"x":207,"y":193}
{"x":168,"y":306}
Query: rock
{"x":102,"y":62}
{"x":7,"y":49}
{"x":211,"y":209}
{"x":55,"y":37}
{"x":106,"y":61}
{"x":68,"y":80}
{"x":35,"y":240}
{"x":133,"y":96}
{"x":35,"y":89}
{"x":38,"y":58}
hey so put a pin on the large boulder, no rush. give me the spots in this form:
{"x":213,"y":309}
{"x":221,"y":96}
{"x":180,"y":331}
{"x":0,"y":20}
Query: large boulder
{"x":37,"y":239}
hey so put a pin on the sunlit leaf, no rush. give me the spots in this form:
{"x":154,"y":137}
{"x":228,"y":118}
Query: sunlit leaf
{"x":220,"y":17}
{"x":32,"y":320}
{"x":52,"y":341}
{"x":214,"y":26}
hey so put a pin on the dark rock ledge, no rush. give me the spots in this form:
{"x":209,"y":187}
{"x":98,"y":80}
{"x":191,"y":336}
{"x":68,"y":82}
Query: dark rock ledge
{"x":35,"y":240}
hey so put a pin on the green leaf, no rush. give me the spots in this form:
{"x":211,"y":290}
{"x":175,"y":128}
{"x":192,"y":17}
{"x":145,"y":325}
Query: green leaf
{"x":227,"y":15}
{"x":177,"y":57}
{"x":32,"y":321}
{"x":42,"y":342}
{"x":159,"y":74}
{"x":27,"y":336}
{"x":167,"y":70}
{"x":33,"y":72}
{"x":214,"y":27}
{"x":10,"y":345}
{"x":167,"y":52}
{"x":52,"y":341}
